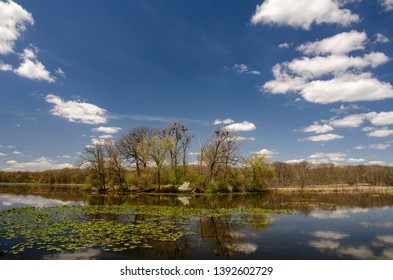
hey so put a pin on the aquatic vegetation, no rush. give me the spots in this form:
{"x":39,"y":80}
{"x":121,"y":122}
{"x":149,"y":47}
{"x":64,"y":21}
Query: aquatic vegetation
{"x":110,"y":228}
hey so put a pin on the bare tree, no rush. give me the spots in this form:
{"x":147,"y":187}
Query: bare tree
{"x":94,"y":159}
{"x":115,"y":165}
{"x":134,"y":147}
{"x":220,"y":151}
{"x":178,"y":140}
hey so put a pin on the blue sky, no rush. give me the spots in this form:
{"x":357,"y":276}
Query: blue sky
{"x":298,"y":80}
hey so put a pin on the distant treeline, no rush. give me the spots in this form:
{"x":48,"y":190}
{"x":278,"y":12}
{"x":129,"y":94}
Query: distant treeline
{"x":58,"y":176}
{"x":282,"y":175}
{"x":151,"y":159}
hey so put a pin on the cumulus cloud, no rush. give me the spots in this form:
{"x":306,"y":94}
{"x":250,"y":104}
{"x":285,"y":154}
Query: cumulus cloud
{"x":380,"y":146}
{"x":243,"y":126}
{"x":302,"y":13}
{"x":5,"y":67}
{"x":387,"y":5}
{"x":13,"y":22}
{"x":332,"y":75}
{"x":41,"y":163}
{"x":31,"y":68}
{"x":383,"y":132}
{"x":324,"y":137}
{"x":106,"y":129}
{"x":265,"y":152}
{"x":347,"y":88}
{"x":283,"y":46}
{"x":334,"y":64}
{"x":338,"y":44}
{"x":76,"y":111}
{"x":317,"y":128}
{"x":225,"y":121}
{"x":356,"y":120}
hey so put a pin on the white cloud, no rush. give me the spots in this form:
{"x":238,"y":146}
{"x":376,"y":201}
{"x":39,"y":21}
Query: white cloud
{"x":13,"y":21}
{"x":327,"y":155}
{"x":225,"y":121}
{"x":293,"y":161}
{"x":317,"y":128}
{"x":334,"y":64}
{"x":5,"y":67}
{"x":265,"y":152}
{"x":343,"y":109}
{"x":387,"y":5}
{"x":41,"y":163}
{"x":355,"y":120}
{"x":335,"y":77}
{"x":382,"y":118}
{"x":31,"y":68}
{"x":60,"y":72}
{"x":95,"y":141}
{"x":368,"y":129}
{"x":356,"y":160}
{"x":380,"y":38}
{"x":302,"y":13}
{"x":107,"y":129}
{"x":1,"y":154}
{"x":243,"y":126}
{"x":338,"y":44}
{"x":381,"y":146}
{"x":324,"y":137}
{"x":283,"y":82}
{"x":76,"y":111}
{"x":16,"y":153}
{"x":383,"y":132}
{"x":347,"y":88}
{"x":283,"y":46}
{"x":105,"y":136}
{"x":243,"y":68}
{"x":377,"y":162}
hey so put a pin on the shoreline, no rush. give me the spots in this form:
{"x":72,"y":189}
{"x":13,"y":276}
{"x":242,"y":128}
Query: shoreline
{"x":276,"y":189}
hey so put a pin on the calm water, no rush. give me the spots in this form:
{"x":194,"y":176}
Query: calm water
{"x":321,"y":226}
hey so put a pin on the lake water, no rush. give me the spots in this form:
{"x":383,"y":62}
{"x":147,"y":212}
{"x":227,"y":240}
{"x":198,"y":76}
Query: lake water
{"x":67,"y":224}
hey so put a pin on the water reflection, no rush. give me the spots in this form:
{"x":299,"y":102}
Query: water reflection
{"x":324,"y":226}
{"x":9,"y":201}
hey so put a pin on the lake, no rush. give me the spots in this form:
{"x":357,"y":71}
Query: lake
{"x":62,"y":222}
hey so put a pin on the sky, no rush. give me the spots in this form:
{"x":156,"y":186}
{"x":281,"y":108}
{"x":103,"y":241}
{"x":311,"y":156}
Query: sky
{"x":294,"y":79}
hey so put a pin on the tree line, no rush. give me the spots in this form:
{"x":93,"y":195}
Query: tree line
{"x":156,"y":159}
{"x":151,"y":159}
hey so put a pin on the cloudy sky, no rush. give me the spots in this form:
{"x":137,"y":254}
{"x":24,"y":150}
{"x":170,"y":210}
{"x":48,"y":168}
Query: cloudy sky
{"x":296,"y":79}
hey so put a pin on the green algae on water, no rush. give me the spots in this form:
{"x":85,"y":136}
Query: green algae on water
{"x":110,"y":228}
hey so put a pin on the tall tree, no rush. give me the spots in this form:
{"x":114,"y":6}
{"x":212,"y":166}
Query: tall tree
{"x":220,"y":151}
{"x":115,"y":165}
{"x":159,"y":152}
{"x":134,"y":147}
{"x":178,"y":140}
{"x":94,"y":158}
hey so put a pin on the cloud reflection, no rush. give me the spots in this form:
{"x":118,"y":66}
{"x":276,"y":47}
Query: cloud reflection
{"x":338,"y":214}
{"x":8,"y":200}
{"x":85,"y":254}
